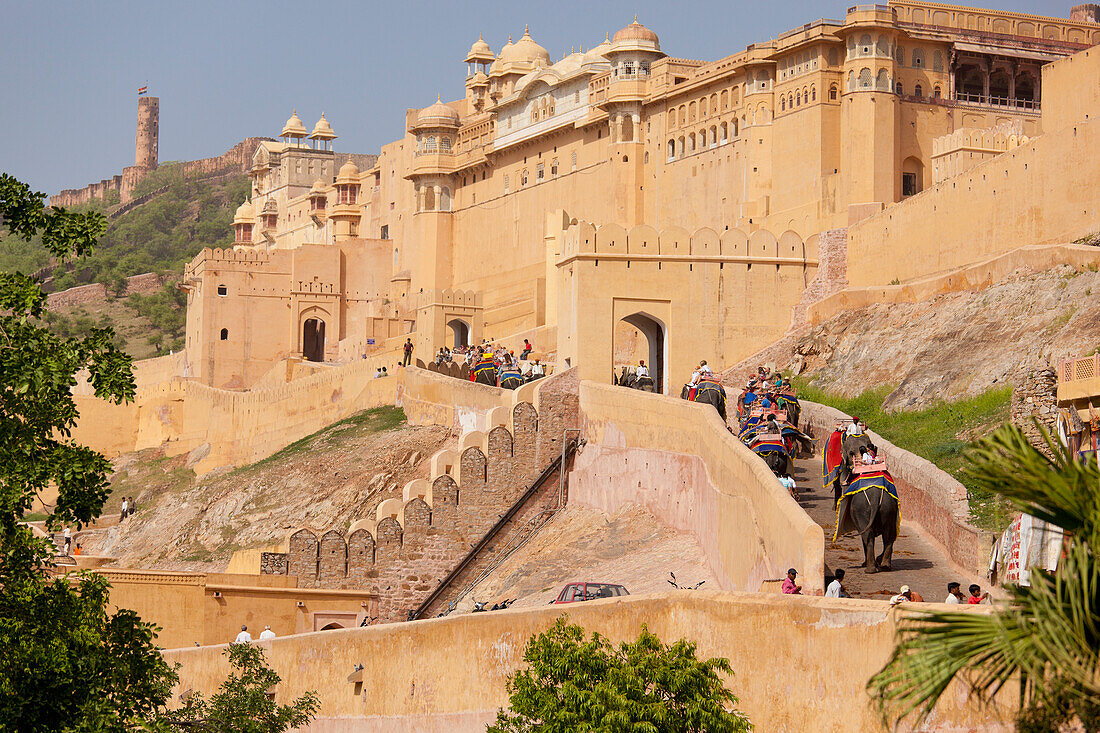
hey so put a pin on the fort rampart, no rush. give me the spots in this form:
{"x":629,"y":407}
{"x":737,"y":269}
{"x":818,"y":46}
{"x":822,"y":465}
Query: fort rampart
{"x":930,"y":497}
{"x":237,"y":159}
{"x":94,"y":293}
{"x":678,"y":460}
{"x":797,"y":662}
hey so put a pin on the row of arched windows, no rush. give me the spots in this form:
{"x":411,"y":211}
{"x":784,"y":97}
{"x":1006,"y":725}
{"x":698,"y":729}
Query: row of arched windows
{"x":542,"y":108}
{"x":798,"y":97}
{"x":432,"y":144}
{"x":691,"y":143}
{"x":702,"y":108}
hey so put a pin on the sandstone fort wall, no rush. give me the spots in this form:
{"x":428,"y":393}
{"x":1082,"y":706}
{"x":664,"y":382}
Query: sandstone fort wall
{"x":187,"y":609}
{"x":96,"y":293}
{"x":797,"y":661}
{"x":1038,"y":193}
{"x":678,"y":460}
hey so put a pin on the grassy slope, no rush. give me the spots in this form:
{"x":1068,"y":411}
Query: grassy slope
{"x":940,"y":433}
{"x":159,"y":236}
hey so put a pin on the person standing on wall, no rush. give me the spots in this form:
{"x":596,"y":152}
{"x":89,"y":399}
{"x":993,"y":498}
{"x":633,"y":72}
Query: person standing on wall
{"x":408,"y":352}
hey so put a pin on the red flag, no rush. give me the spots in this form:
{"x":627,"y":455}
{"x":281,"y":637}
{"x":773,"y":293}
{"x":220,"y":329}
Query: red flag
{"x":142,"y":90}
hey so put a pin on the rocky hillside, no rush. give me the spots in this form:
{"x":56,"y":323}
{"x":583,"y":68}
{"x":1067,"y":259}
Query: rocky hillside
{"x":331,"y":478}
{"x":953,"y":346}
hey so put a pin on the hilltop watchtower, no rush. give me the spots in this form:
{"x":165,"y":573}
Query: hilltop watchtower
{"x":148,"y":132}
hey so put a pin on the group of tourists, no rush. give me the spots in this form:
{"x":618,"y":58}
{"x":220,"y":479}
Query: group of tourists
{"x":129,"y":506}
{"x":768,"y":415}
{"x":496,"y":365}
{"x":906,"y":594}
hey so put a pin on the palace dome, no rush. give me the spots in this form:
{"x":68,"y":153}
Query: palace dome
{"x":525,"y":51}
{"x":480,"y":51}
{"x":245,"y":214}
{"x":322,"y":130}
{"x":349,"y":173}
{"x":293,"y":127}
{"x":437,"y":114}
{"x":636,"y":32}
{"x":319,"y":187}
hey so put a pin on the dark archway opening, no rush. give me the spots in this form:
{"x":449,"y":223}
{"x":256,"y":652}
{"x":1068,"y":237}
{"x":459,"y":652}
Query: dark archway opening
{"x":460,"y":331}
{"x":313,"y":340}
{"x":649,"y":345}
{"x":332,"y":626}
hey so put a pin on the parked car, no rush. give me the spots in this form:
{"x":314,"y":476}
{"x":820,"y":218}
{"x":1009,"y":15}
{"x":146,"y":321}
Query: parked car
{"x":575,"y":592}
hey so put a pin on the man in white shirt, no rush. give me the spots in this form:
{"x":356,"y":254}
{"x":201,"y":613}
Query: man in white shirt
{"x":244,"y":637}
{"x":954,"y":594}
{"x":854,"y":428}
{"x":267,"y":633}
{"x":642,"y":370}
{"x":836,"y":588}
{"x":537,"y":370}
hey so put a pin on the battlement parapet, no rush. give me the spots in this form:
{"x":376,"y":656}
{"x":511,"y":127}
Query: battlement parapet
{"x":584,"y":240}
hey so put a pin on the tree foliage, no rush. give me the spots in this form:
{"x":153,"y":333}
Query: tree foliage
{"x":1047,"y":637}
{"x":573,"y":684}
{"x":241,"y":704}
{"x":66,"y":664}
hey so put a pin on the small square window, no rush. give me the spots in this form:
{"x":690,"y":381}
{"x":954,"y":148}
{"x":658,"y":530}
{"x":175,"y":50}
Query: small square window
{"x":223,"y":290}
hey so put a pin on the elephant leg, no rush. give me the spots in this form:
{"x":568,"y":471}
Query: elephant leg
{"x":889,"y":534}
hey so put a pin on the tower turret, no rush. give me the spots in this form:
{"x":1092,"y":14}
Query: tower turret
{"x":148,"y":133}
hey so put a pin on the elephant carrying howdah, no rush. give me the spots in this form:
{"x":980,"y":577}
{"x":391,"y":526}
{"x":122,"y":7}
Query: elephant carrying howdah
{"x":709,"y":391}
{"x":867,"y":501}
{"x":629,"y":378}
{"x":485,"y":372}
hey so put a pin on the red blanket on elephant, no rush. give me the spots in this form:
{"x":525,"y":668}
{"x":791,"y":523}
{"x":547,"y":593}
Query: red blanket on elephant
{"x":833,"y":458}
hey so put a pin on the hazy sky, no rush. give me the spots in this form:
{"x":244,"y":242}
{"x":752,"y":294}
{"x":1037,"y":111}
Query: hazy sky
{"x":229,"y":69}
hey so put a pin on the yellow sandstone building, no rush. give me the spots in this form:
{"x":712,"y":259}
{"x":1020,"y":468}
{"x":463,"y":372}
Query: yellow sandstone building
{"x":616,"y":191}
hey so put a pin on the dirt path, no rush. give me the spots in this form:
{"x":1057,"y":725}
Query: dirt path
{"x":917,"y":562}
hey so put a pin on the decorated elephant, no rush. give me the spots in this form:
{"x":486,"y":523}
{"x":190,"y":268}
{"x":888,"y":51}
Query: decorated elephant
{"x":709,"y":391}
{"x":797,"y":441}
{"x":484,"y":372}
{"x":511,"y":378}
{"x":789,"y":402}
{"x":629,"y":378}
{"x":870,"y":507}
{"x":773,"y":450}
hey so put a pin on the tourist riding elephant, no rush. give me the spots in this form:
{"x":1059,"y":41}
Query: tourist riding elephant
{"x":709,"y":391}
{"x":870,"y":507}
{"x":629,"y":378}
{"x":511,"y":379}
{"x":852,"y":447}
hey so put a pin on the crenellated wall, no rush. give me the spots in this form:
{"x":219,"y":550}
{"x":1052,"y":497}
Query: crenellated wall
{"x":403,"y":552}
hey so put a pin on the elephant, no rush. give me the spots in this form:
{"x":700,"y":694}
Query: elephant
{"x":773,"y":450}
{"x":790,"y":404}
{"x":709,"y":391}
{"x":485,"y":373}
{"x":796,"y":439}
{"x":871,"y":508}
{"x":511,"y":379}
{"x":629,"y":378}
{"x":852,"y":447}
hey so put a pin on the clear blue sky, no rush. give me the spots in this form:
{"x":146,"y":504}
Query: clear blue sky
{"x":229,"y":69}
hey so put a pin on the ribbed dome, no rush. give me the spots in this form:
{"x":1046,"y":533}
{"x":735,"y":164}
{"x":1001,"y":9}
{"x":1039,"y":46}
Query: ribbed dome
{"x":636,"y":32}
{"x":318,"y":188}
{"x":245,"y":214}
{"x":525,"y":51}
{"x":322,"y":130}
{"x":437,"y":114}
{"x":480,"y":51}
{"x":348,"y":173}
{"x":478,"y":79}
{"x":270,"y":207}
{"x":293,"y":127}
